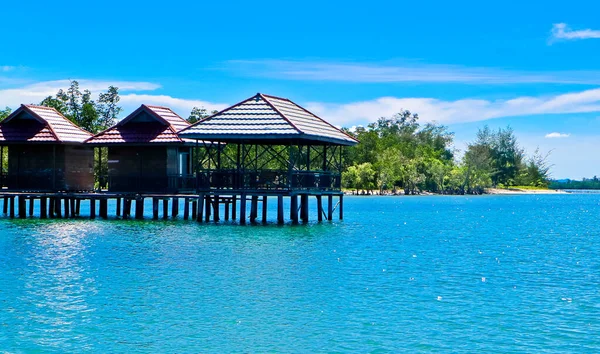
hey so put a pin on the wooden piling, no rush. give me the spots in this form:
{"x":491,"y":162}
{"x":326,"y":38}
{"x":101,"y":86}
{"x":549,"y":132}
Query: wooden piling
{"x":92,"y":208}
{"x":51,"y":206}
{"x":43,"y":207}
{"x":227,"y":209}
{"x":194,"y":209}
{"x":341,"y":207}
{"x":243,"y":209}
{"x":139,"y":208}
{"x":165,"y":208}
{"x":31,"y":206}
{"x":253,"y":208}
{"x":78,"y":206}
{"x":233,"y":207}
{"x":319,"y":208}
{"x":186,"y":208}
{"x":155,"y":208}
{"x":58,"y":207}
{"x":201,"y":201}
{"x":104,"y":208}
{"x":280,"y":209}
{"x":127,"y":209}
{"x":5,"y":206}
{"x":216,"y":216}
{"x":175,"y":207}
{"x":304,"y":207}
{"x":264,"y":209}
{"x":73,"y":208}
{"x":22,"y":207}
{"x":118,"y":213}
{"x":330,"y":207}
{"x":67,"y":205}
{"x":294,"y":208}
{"x":207,"y":208}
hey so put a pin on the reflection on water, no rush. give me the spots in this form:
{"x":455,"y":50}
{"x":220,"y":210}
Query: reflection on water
{"x":490,"y":274}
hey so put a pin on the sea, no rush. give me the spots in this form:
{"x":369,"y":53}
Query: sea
{"x":503,"y":273}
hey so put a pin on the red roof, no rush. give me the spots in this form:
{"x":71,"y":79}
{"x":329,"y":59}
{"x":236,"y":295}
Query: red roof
{"x":146,"y":125}
{"x":31,"y":123}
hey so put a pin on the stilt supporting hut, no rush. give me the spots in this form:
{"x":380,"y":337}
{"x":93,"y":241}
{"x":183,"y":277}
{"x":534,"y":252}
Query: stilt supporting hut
{"x":268,"y":147}
{"x":42,"y":150}
{"x":145,"y":154}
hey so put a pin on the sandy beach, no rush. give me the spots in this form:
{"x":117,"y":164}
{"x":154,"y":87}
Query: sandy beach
{"x":523,"y":191}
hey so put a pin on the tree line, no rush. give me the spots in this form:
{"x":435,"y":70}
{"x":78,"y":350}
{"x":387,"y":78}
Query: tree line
{"x":399,"y":154}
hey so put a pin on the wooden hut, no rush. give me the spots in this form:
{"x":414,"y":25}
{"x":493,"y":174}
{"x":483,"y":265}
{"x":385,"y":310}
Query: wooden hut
{"x":45,"y":152}
{"x":272,"y":147}
{"x":145,"y":154}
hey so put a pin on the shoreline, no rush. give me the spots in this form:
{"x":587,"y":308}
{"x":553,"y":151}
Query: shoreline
{"x":488,"y":191}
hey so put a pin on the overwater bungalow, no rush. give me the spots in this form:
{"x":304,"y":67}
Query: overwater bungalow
{"x":272,"y":147}
{"x":45,"y":152}
{"x":145,"y":154}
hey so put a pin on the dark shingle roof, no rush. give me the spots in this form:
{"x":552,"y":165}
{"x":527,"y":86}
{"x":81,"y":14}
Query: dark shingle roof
{"x":264,"y":117}
{"x":146,"y":125}
{"x":31,"y":123}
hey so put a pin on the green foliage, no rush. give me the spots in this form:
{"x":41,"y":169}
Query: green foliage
{"x":81,"y":109}
{"x":586,"y":183}
{"x":5,"y":112}
{"x":197,"y":114}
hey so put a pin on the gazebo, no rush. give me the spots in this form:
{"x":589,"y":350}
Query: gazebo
{"x":45,"y":152}
{"x":145,"y":154}
{"x":273,"y":147}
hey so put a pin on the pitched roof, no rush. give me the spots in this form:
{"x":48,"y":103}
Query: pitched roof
{"x":264,"y":117}
{"x":31,"y":123}
{"x":146,"y":125}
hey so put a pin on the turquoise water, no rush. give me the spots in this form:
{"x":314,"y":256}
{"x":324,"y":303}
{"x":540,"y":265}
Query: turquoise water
{"x":491,"y":273}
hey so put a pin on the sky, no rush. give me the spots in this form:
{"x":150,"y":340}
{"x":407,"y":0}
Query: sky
{"x":532,"y":65}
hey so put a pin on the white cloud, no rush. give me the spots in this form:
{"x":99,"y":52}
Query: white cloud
{"x":387,"y":73}
{"x":6,"y":68}
{"x":458,"y":111}
{"x":560,"y":31}
{"x":556,"y":135}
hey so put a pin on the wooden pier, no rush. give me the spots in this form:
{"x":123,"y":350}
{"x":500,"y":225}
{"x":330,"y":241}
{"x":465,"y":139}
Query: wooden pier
{"x":202,"y":207}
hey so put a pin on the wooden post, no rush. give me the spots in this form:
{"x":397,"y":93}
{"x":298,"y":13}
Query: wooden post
{"x":43,"y":206}
{"x":186,"y":208}
{"x":67,"y":205}
{"x":175,"y":207}
{"x":5,"y":206}
{"x":341,"y":207}
{"x":51,"y":208}
{"x":280,"y":209}
{"x":330,"y":207}
{"x":139,"y":208}
{"x":31,"y":206}
{"x":264,"y":209}
{"x":78,"y":206}
{"x":73,"y":208}
{"x":194,"y":209}
{"x":165,"y":208}
{"x":58,"y":208}
{"x":207,"y":207}
{"x":155,"y":208}
{"x":253,"y":208}
{"x":227,"y":209}
{"x":233,"y":207}
{"x":104,"y":208}
{"x":118,"y":207}
{"x":92,"y":208}
{"x":201,"y":200}
{"x":319,"y":208}
{"x":22,"y":206}
{"x":243,"y":208}
{"x":294,"y":208}
{"x":304,"y":207}
{"x":216,"y":216}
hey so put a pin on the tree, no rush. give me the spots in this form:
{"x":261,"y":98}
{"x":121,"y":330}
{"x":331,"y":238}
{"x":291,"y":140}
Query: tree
{"x":108,"y":108}
{"x":5,"y":112}
{"x":197,"y":114}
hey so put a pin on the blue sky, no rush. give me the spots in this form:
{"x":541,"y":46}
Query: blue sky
{"x":533,"y":65}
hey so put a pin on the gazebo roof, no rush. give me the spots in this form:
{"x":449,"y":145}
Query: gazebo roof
{"x":39,"y":124}
{"x":265,"y":118}
{"x":153,"y":125}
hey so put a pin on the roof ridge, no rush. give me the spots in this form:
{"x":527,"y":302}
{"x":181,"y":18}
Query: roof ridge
{"x":212,"y":115}
{"x":279,"y":112}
